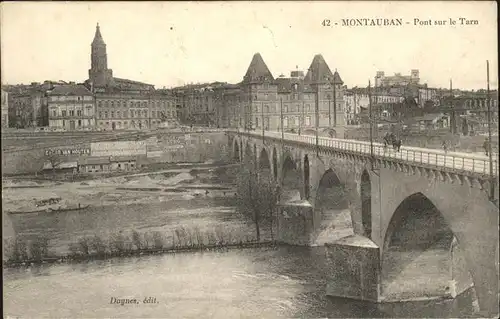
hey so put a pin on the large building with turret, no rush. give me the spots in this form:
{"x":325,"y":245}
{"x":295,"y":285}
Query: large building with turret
{"x":293,"y":104}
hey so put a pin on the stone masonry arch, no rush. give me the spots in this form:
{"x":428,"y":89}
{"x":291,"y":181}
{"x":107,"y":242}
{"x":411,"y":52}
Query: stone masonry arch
{"x":236,"y":150}
{"x":291,"y":179}
{"x":474,"y":223}
{"x":332,"y":218}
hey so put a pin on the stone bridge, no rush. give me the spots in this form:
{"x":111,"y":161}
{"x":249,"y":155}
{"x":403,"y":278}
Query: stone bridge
{"x":429,"y":214}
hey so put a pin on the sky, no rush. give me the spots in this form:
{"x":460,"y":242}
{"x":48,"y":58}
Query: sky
{"x":174,"y":43}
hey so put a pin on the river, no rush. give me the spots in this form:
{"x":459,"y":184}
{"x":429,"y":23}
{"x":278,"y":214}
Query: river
{"x":269,"y":282}
{"x":249,"y":283}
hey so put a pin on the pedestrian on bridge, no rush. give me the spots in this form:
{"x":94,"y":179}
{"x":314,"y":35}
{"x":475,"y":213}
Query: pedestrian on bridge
{"x":445,"y":146}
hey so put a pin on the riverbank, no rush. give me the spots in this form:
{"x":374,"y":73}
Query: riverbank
{"x":138,"y":252}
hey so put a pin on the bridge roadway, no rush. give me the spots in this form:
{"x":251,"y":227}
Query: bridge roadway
{"x":458,"y":161}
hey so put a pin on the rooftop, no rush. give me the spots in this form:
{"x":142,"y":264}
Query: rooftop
{"x":70,"y":90}
{"x":95,"y":160}
{"x":258,"y":70}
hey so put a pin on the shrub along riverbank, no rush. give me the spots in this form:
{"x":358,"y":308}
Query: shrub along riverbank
{"x":120,"y":244}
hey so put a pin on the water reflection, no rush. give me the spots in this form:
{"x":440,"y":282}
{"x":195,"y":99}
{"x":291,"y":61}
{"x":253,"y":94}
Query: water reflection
{"x":271,"y":282}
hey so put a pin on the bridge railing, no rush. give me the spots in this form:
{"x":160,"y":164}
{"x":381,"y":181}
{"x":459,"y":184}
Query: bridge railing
{"x":433,"y":157}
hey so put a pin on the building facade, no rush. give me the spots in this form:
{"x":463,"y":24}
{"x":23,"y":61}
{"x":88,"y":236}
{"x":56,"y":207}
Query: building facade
{"x":71,"y":107}
{"x":381,"y":80}
{"x":200,"y":103}
{"x":288,"y":103}
{"x":122,"y":104}
{"x":26,"y":108}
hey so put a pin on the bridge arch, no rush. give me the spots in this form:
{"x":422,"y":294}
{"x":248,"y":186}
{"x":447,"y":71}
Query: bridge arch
{"x":366,"y":204}
{"x":421,"y":251}
{"x":255,"y":156}
{"x":332,"y":218}
{"x":248,"y":157}
{"x":275,"y":164}
{"x":307,"y":187}
{"x":265,"y":165}
{"x":291,"y":179}
{"x":236,"y":150}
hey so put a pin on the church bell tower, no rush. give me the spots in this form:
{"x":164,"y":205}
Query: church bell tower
{"x":99,"y":74}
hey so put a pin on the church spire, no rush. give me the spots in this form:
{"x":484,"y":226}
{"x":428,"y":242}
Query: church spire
{"x":98,"y":37}
{"x":99,"y":74}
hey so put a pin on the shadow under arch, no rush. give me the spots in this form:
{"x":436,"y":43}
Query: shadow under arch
{"x":421,"y":256}
{"x":248,"y":157}
{"x":265,"y":165}
{"x":275,"y":164}
{"x":366,"y":204}
{"x":291,"y":180}
{"x":255,"y":155}
{"x":307,"y":187}
{"x":236,"y":151}
{"x":332,"y":218}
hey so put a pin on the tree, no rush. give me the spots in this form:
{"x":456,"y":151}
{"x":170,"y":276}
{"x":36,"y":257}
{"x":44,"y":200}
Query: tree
{"x":55,"y":160}
{"x":257,"y":196}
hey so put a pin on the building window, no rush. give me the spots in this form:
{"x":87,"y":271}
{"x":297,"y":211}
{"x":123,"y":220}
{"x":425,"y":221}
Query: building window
{"x":54,"y":113}
{"x":63,"y":113}
{"x":308,"y":121}
{"x":71,"y":113}
{"x":112,"y":114}
{"x":79,"y":122}
{"x":106,"y":114}
{"x":153,"y":113}
{"x":79,"y":112}
{"x":100,"y":115}
{"x":257,"y":121}
{"x":285,"y":109}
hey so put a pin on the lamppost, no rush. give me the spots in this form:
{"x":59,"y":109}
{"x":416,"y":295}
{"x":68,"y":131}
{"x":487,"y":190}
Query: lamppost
{"x":334,"y":100}
{"x":263,"y":124}
{"x":315,"y":83}
{"x":281,"y":120}
{"x":371,"y":123}
{"x":329,"y":111}
{"x":492,"y":178}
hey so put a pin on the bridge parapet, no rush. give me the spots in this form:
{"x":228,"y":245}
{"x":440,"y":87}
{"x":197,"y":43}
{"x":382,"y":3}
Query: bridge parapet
{"x":450,"y":162}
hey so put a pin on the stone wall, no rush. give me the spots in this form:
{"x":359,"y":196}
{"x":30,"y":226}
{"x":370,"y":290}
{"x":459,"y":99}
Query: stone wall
{"x":190,"y":148}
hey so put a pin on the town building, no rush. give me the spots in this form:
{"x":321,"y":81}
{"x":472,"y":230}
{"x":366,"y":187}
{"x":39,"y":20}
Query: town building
{"x":26,"y":108}
{"x":386,"y":103}
{"x":94,"y":164}
{"x":469,"y":111}
{"x":28,"y":104}
{"x":5,"y":109}
{"x":200,"y":103}
{"x":71,"y":107}
{"x":288,"y":103}
{"x":431,"y":122}
{"x":125,"y":104}
{"x":381,"y":80}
